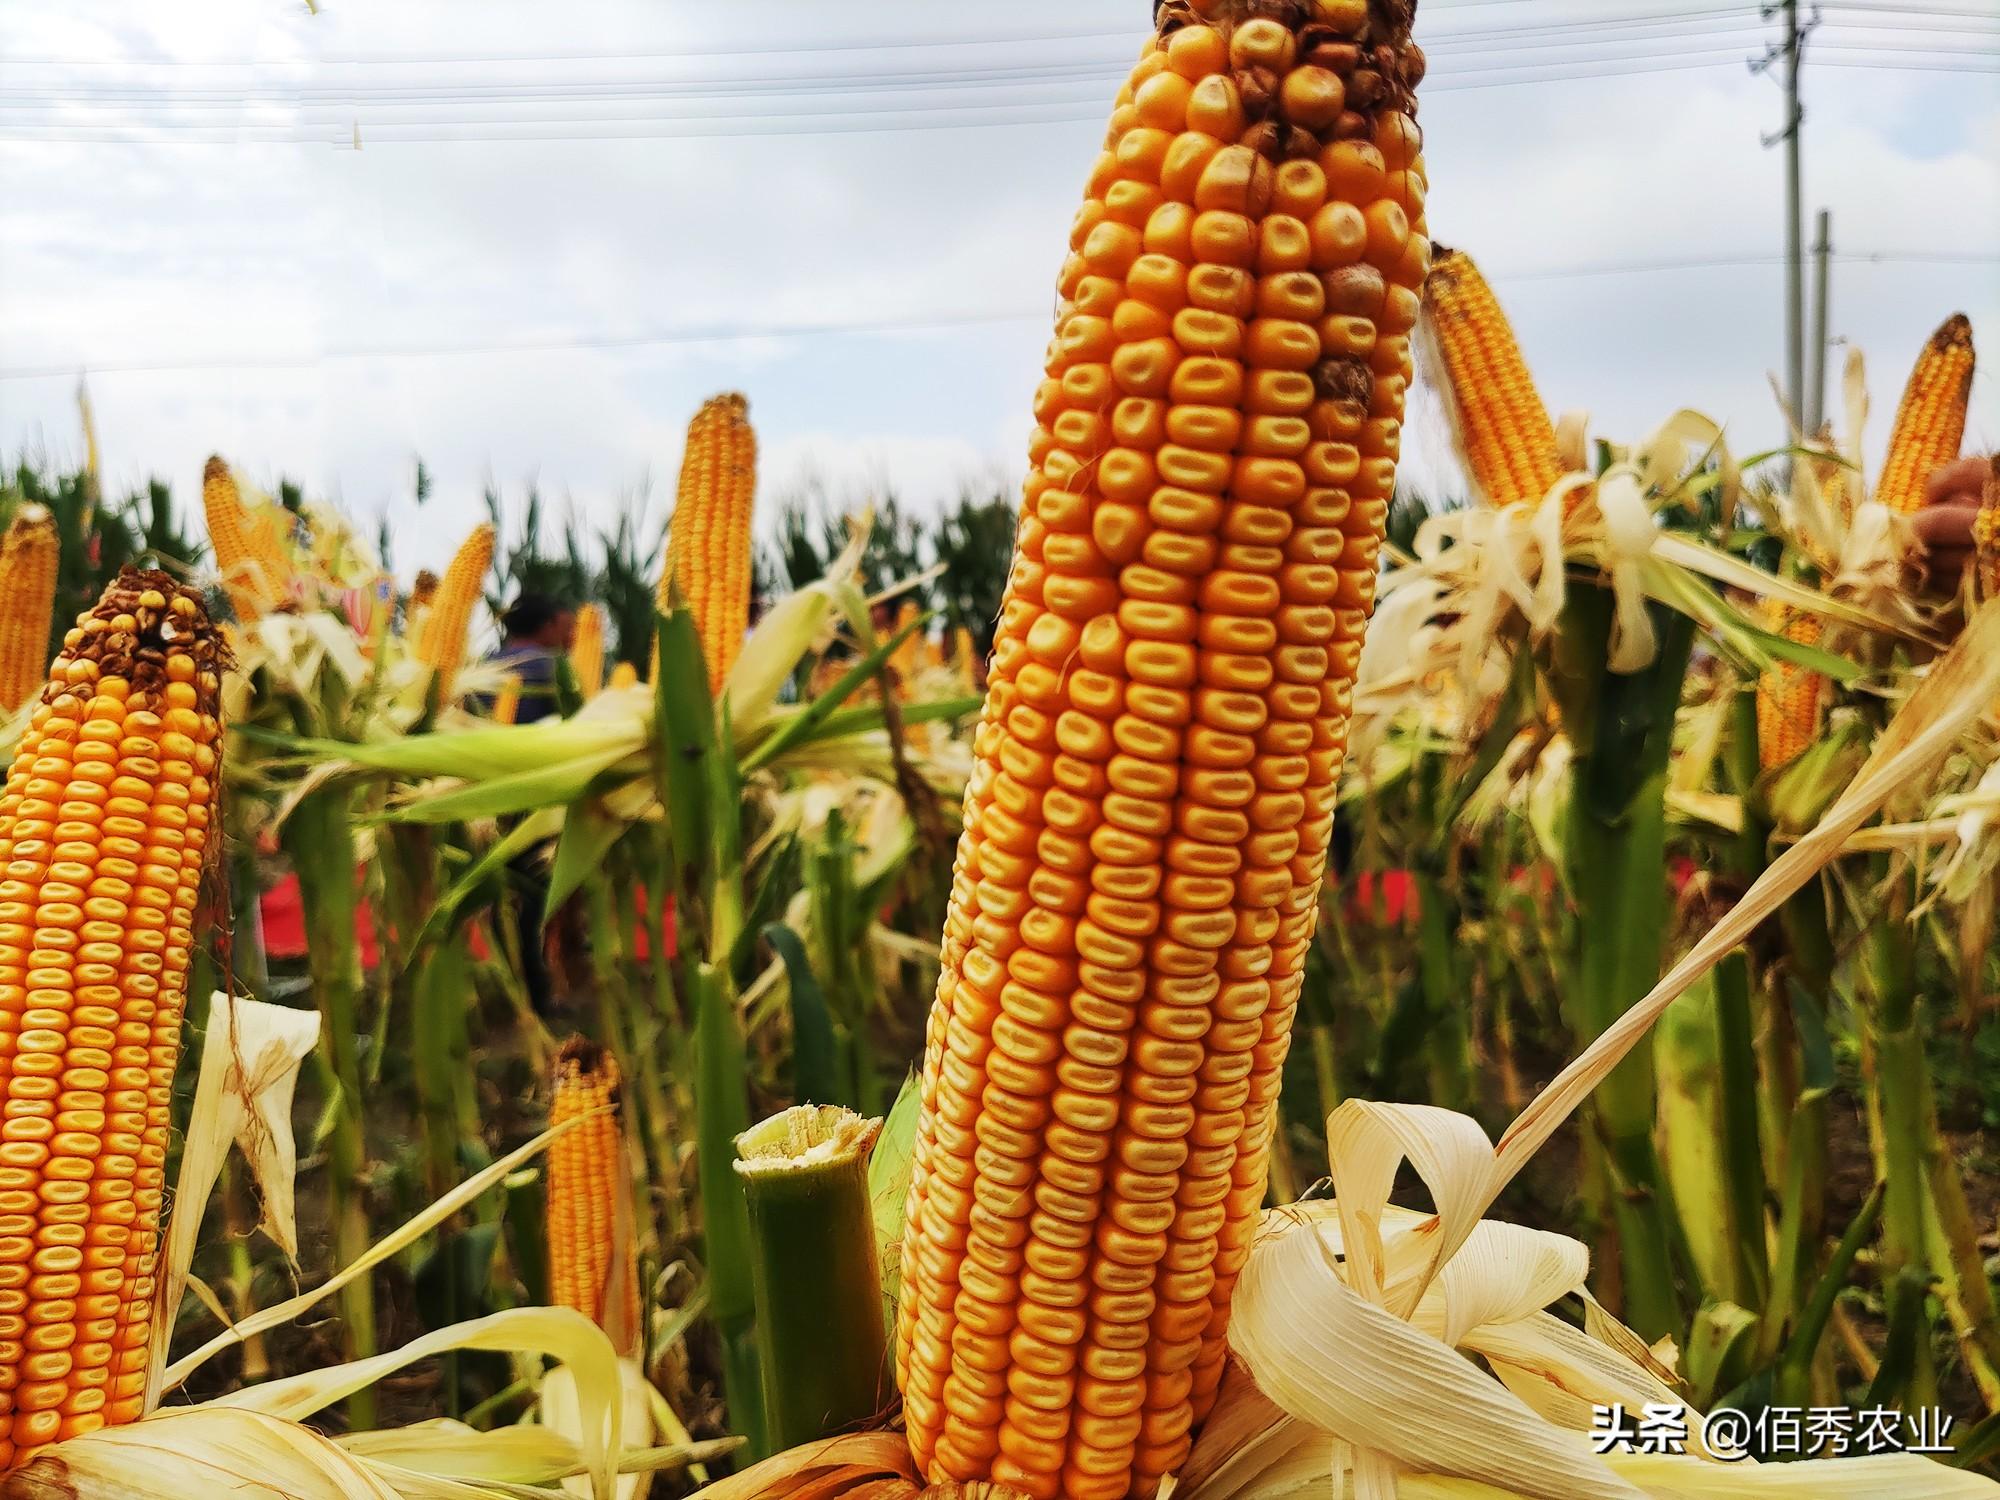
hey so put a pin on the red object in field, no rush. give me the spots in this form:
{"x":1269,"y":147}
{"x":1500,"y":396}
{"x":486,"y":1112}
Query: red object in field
{"x":285,"y":923}
{"x":643,"y":928}
{"x":285,"y":926}
{"x":1382,"y":895}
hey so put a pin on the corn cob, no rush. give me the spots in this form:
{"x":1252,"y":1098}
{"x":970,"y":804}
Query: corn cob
{"x":586,"y":651}
{"x":1503,"y":429}
{"x":624,"y":675}
{"x":909,"y":656}
{"x":29,"y":559}
{"x":1788,"y":696}
{"x":1147,"y":824}
{"x":507,"y":702}
{"x":248,"y":554}
{"x":1986,"y":535}
{"x":105,"y":828}
{"x":1930,"y":422}
{"x":585,"y":1168}
{"x":708,"y":540}
{"x":448,"y":622}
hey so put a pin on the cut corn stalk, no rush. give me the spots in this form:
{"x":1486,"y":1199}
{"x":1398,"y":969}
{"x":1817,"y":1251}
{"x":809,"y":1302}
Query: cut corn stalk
{"x":29,"y":557}
{"x":447,"y":623}
{"x":106,"y":829}
{"x":586,"y":652}
{"x":1504,"y":433}
{"x":1930,"y":422}
{"x":814,"y":1269}
{"x":708,"y":540}
{"x":1138,"y":880}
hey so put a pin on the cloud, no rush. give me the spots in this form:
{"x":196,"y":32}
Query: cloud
{"x":936,"y":250}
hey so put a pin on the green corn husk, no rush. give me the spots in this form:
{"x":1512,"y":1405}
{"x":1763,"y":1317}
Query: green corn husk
{"x":815,"y":1270}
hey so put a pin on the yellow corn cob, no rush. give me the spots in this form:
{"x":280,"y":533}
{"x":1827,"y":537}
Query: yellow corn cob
{"x":507,"y":702}
{"x":105,"y":833}
{"x":624,"y":675}
{"x":1503,"y":428}
{"x":585,"y":1167}
{"x":1147,"y":824}
{"x":1788,"y":696}
{"x":1986,"y":534}
{"x":29,"y":559}
{"x":247,"y":551}
{"x":906,"y":656}
{"x":268,"y":528}
{"x":1930,"y":422}
{"x":448,"y":622}
{"x":586,"y":651}
{"x":708,"y":540}
{"x":965,"y":657}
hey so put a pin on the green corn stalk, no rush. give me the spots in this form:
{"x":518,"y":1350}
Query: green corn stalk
{"x":1622,"y":728}
{"x":722,"y":1115}
{"x":814,"y":1270}
{"x":1898,"y":1081}
{"x":319,"y":837}
{"x":701,"y":789}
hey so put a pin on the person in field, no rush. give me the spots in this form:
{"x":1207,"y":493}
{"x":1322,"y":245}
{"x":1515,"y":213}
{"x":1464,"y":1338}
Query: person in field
{"x":1952,"y":500}
{"x":537,"y":631}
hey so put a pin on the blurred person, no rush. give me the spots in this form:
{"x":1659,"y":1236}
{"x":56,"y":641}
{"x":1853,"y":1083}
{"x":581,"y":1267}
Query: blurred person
{"x":537,"y":631}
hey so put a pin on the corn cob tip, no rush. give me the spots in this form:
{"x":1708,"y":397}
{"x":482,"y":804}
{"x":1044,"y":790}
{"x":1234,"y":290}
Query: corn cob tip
{"x":580,"y":1058}
{"x":215,"y":468}
{"x":1955,"y":332}
{"x":144,"y":620}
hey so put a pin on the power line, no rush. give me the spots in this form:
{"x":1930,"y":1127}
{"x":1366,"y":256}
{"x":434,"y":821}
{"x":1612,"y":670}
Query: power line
{"x":869,"y":327}
{"x":861,"y":117}
{"x":1900,"y":14}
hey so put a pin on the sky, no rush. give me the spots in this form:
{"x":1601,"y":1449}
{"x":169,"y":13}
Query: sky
{"x":524,"y":241}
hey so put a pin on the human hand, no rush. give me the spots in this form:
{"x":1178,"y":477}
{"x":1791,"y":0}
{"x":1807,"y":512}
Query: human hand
{"x":1952,"y":497}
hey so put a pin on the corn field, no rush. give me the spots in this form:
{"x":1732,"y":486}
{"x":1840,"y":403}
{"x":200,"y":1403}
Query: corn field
{"x":1287,"y":989}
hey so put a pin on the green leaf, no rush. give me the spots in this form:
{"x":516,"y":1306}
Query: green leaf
{"x":1908,"y":1323}
{"x":475,"y":754}
{"x":864,"y":718}
{"x":722,"y":1113}
{"x":502,"y":852}
{"x":889,"y":1187}
{"x":525,"y":791}
{"x":815,"y":1076}
{"x":803,"y":725}
{"x":1795,"y":1365}
{"x":588,"y":832}
{"x":685,"y":741}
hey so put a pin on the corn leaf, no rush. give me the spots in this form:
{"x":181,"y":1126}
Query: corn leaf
{"x":561,"y":1332}
{"x":474,"y":1187}
{"x":199,"y":1451}
{"x":589,"y":829}
{"x":523,"y":791}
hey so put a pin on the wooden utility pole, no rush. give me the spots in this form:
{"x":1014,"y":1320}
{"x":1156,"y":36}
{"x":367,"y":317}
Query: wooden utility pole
{"x":1822,"y":280}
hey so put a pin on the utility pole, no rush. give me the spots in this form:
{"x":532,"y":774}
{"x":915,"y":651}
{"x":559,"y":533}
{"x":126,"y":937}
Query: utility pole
{"x":1792,"y":51}
{"x":1822,"y":276}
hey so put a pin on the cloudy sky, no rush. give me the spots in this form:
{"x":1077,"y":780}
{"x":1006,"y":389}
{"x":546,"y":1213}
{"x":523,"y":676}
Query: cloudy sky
{"x":564,"y":225}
